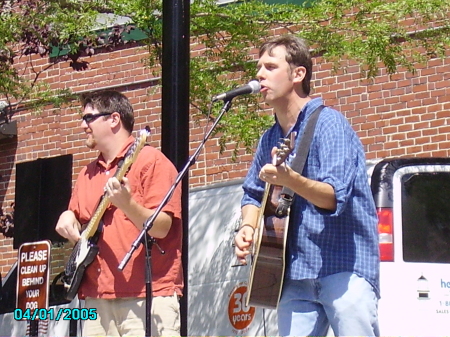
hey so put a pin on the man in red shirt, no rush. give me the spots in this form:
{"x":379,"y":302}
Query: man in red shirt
{"x":119,"y":296}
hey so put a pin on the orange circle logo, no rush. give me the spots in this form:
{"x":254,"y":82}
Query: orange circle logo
{"x":239,"y":314}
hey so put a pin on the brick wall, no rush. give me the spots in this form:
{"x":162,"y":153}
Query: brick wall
{"x":401,"y":115}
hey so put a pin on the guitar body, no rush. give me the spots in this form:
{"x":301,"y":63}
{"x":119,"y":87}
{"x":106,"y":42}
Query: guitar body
{"x":82,"y":255}
{"x":269,"y":241}
{"x":268,"y":263}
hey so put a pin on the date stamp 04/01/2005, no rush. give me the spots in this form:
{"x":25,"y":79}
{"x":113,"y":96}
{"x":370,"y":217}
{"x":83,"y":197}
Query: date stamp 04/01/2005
{"x":65,"y":314}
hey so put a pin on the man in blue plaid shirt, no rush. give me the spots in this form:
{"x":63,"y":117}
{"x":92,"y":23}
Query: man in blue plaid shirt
{"x":332,"y":271}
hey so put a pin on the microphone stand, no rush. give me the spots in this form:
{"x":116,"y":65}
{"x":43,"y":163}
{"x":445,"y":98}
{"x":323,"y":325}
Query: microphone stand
{"x":148,"y":224}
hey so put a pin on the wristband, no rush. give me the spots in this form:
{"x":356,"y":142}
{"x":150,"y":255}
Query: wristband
{"x":247,"y":225}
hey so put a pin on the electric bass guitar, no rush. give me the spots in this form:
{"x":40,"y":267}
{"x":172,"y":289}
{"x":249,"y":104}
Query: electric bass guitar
{"x":86,"y":248}
{"x":269,"y":242}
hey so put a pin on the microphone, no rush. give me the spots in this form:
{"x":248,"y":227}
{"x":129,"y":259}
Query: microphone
{"x":252,"y":87}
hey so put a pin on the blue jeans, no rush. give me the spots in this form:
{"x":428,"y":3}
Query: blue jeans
{"x":345,"y":301}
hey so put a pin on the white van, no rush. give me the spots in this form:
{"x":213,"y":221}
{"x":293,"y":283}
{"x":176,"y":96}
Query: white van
{"x":412,"y":196}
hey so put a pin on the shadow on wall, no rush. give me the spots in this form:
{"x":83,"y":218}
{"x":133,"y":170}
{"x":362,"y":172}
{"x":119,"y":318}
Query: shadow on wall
{"x":216,"y":306}
{"x":7,"y":221}
{"x":8,"y":148}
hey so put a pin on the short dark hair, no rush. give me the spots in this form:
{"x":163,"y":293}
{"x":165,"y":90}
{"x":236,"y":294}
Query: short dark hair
{"x":297,"y":54}
{"x":111,"y":101}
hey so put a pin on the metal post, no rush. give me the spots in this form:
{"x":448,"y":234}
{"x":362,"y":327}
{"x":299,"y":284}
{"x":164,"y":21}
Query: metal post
{"x":175,"y":108}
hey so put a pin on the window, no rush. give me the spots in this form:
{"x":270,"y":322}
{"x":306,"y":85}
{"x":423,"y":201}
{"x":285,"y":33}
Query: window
{"x":426,"y":217}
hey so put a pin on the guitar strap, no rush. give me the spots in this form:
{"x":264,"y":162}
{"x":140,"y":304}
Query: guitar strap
{"x":299,"y":161}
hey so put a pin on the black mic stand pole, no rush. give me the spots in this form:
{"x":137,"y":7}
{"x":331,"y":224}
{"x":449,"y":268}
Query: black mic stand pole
{"x":149,"y":222}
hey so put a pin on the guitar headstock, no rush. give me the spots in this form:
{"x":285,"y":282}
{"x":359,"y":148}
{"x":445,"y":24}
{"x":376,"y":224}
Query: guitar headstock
{"x":134,"y":149}
{"x":144,"y":134}
{"x":140,"y":141}
{"x":285,"y":147}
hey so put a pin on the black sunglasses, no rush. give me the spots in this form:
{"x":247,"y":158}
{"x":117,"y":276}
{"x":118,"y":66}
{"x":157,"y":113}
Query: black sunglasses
{"x":92,"y":117}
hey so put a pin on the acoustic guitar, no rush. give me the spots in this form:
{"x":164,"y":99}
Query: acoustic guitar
{"x":269,"y":243}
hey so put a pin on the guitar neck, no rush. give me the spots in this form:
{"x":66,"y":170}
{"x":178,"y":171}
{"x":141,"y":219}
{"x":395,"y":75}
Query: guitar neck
{"x":263,"y":203}
{"x":95,"y":219}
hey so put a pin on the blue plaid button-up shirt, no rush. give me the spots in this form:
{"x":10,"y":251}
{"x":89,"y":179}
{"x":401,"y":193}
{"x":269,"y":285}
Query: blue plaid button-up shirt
{"x":321,"y":242}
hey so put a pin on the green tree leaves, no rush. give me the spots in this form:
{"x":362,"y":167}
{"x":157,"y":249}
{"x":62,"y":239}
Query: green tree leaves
{"x":375,"y":34}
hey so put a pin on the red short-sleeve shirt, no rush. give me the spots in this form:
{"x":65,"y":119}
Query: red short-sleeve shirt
{"x":151,"y":176}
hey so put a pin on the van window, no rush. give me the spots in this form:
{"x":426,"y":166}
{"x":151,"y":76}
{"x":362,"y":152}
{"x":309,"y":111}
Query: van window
{"x":426,"y":217}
